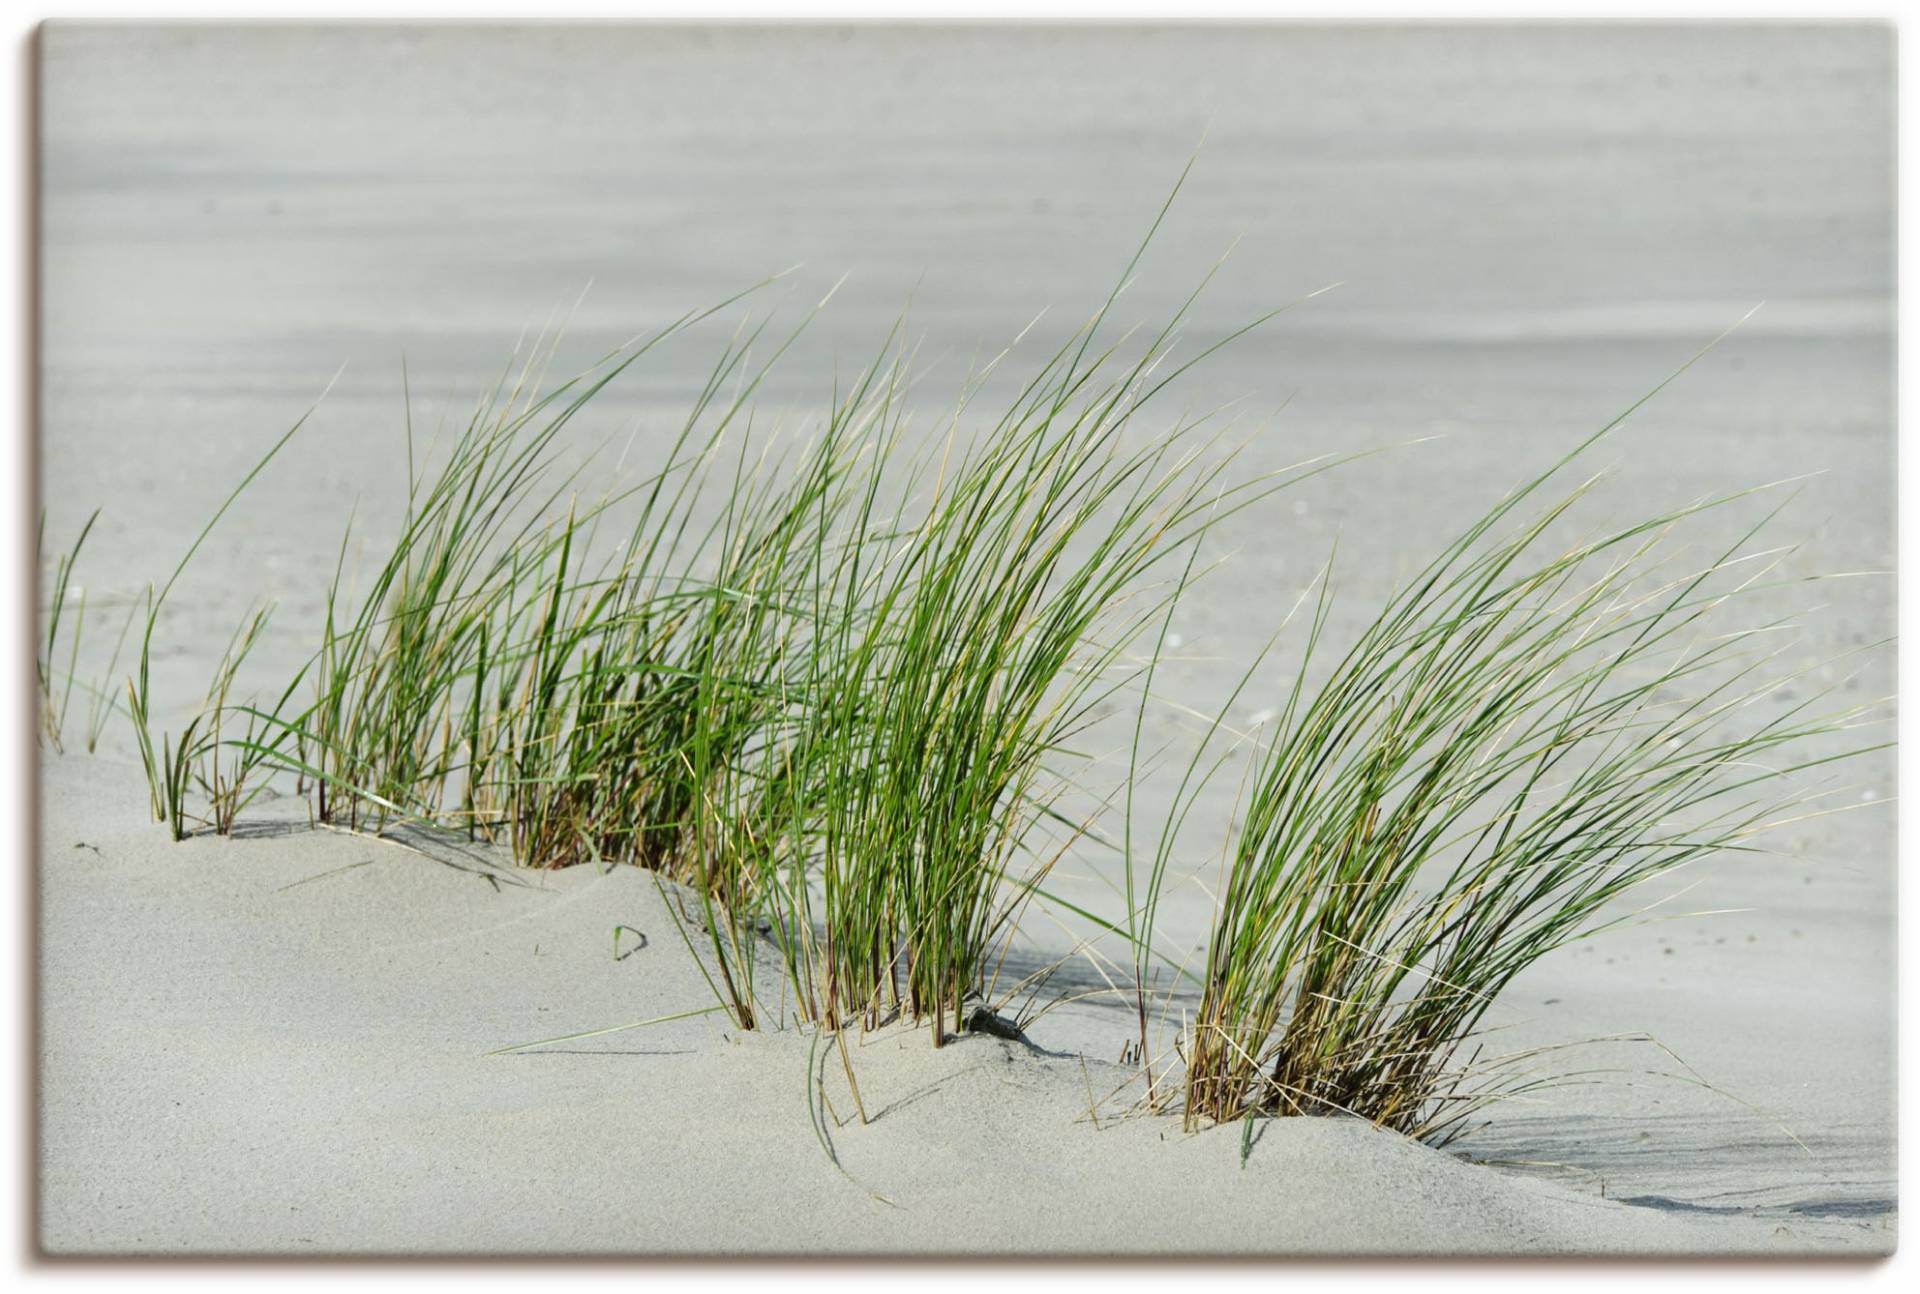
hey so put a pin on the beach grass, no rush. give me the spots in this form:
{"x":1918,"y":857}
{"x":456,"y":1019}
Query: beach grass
{"x":830,"y":687}
{"x":834,"y":689}
{"x":957,"y":652}
{"x":1525,"y":734}
{"x":54,"y":684}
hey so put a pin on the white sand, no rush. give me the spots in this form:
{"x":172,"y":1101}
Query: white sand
{"x":1533,"y":227}
{"x":276,"y":1045}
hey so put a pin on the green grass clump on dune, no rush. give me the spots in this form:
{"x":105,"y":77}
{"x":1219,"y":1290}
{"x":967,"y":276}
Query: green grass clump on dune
{"x":1523,"y":735}
{"x":832,"y":690}
{"x":462,"y":685}
{"x":836,"y":691}
{"x":957,"y":649}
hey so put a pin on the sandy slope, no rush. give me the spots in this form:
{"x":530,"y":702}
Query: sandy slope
{"x":1533,"y":226}
{"x":278,"y":1045}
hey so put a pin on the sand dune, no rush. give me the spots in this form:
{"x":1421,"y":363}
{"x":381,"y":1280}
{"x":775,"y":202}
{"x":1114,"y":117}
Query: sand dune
{"x":278,"y":1045}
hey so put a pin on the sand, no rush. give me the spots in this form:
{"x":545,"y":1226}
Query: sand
{"x":277,"y":1045}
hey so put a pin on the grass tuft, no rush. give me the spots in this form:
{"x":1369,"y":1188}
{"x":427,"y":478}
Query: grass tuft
{"x":1524,"y":734}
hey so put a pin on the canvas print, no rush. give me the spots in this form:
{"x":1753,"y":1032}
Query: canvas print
{"x":965,"y":640}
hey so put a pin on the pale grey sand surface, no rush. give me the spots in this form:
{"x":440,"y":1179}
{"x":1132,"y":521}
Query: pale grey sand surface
{"x":276,"y":1044}
{"x":1530,"y":229}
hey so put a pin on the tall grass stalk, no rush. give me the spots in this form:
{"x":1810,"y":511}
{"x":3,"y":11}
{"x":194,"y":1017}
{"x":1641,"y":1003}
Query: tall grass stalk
{"x":54,"y":696}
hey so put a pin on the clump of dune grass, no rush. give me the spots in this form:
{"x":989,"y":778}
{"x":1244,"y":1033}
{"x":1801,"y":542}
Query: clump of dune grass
{"x":506,"y":672}
{"x":1527,"y":732}
{"x":950,"y":652}
{"x":471,"y":682}
{"x":680,"y":664}
{"x":831,"y":688}
{"x":953,"y":665}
